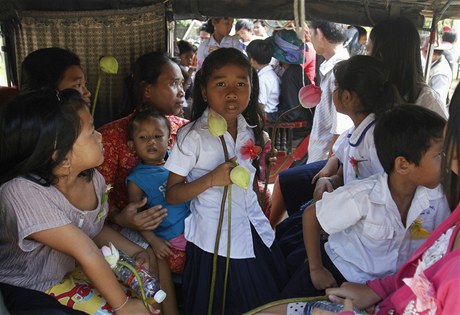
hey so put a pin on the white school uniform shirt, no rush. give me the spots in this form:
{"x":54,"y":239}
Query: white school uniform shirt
{"x":441,"y":78}
{"x":356,"y":151}
{"x":269,"y":89}
{"x":196,"y":153}
{"x":206,"y":47}
{"x":367,"y":239}
{"x":326,"y":121}
{"x":428,"y":98}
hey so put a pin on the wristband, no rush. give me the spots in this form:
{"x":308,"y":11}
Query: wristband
{"x":116,"y":309}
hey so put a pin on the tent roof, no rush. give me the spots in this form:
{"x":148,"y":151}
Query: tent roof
{"x":360,"y":12}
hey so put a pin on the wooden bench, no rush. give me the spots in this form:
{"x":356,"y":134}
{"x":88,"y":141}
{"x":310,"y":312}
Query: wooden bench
{"x":284,"y":134}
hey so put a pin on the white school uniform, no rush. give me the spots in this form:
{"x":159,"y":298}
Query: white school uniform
{"x":367,"y":239}
{"x":327,"y":121}
{"x":428,"y":98}
{"x":208,"y":45}
{"x":356,"y":151}
{"x":269,"y":89}
{"x":196,"y":153}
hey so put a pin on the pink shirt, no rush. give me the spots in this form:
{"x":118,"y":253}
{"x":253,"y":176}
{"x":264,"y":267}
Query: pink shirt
{"x":444,"y":275}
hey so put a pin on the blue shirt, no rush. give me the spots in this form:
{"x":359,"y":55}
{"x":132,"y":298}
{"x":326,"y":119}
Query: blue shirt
{"x":152,"y":180}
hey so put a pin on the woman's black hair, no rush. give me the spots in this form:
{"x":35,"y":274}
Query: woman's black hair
{"x":46,"y":67}
{"x":146,"y":69}
{"x":396,"y":43}
{"x":452,"y":148}
{"x":216,"y":60}
{"x":367,"y":77}
{"x":37,"y":131}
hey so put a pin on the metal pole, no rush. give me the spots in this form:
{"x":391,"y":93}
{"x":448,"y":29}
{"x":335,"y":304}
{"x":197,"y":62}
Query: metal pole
{"x":170,"y":26}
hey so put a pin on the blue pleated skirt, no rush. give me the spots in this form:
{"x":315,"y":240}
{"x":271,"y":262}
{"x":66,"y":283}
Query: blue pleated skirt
{"x":251,"y":282}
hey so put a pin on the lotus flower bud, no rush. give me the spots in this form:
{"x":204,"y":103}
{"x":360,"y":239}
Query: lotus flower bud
{"x":216,"y":123}
{"x":240,"y":176}
{"x":108,"y":64}
{"x":309,"y":96}
{"x":111,"y":255}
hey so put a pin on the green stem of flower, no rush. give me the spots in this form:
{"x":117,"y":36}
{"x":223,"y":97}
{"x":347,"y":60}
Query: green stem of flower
{"x":219,"y":231}
{"x":139,"y":281}
{"x":285,"y":301}
{"x":96,"y":94}
{"x":229,"y":234}
{"x":273,"y":139}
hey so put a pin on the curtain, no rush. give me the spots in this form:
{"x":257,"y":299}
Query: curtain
{"x":124,"y":34}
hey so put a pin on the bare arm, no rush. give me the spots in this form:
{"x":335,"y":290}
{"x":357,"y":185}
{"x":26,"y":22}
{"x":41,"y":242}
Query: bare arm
{"x":72,"y":241}
{"x":331,"y":168}
{"x":178,"y":190}
{"x":320,"y":276}
{"x":333,"y":140}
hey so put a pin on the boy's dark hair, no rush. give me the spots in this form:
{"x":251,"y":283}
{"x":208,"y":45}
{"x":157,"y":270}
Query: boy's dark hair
{"x":37,"y":131}
{"x":262,"y":22}
{"x":143,"y":115}
{"x":407,"y":131}
{"x":368,"y":78}
{"x":45,"y":68}
{"x":260,"y":50}
{"x":335,"y":33}
{"x":361,"y":31}
{"x":450,"y":36}
{"x":243,"y":24}
{"x":184,"y":47}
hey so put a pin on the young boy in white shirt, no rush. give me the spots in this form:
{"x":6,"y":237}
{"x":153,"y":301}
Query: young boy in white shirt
{"x":260,"y":53}
{"x":375,"y":224}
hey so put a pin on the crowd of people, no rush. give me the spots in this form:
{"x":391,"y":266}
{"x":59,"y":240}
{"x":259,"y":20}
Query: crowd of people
{"x":373,"y":217}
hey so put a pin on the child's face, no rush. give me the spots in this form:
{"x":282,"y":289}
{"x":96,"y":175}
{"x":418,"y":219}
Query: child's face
{"x":362,"y":40}
{"x":223,"y":27}
{"x":167,"y":94}
{"x":228,"y":91}
{"x":74,"y":78}
{"x":87,"y":151}
{"x":245,"y":35}
{"x":186,"y":58}
{"x":150,"y":140}
{"x":428,"y":172}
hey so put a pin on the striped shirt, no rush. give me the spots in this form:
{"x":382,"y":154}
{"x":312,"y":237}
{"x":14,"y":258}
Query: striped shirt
{"x":326,"y":121}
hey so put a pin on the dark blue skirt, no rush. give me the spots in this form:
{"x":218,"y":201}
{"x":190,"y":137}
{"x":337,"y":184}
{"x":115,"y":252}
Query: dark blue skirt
{"x":251,"y":282}
{"x":295,"y":184}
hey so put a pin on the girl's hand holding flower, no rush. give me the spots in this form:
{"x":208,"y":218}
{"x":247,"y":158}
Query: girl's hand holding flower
{"x":220,"y":176}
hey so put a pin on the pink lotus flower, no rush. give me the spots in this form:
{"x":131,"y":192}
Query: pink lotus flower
{"x":423,"y":290}
{"x":309,"y":96}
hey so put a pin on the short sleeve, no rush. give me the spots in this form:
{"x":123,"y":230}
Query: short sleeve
{"x":36,"y":209}
{"x":337,"y":211}
{"x":184,"y":153}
